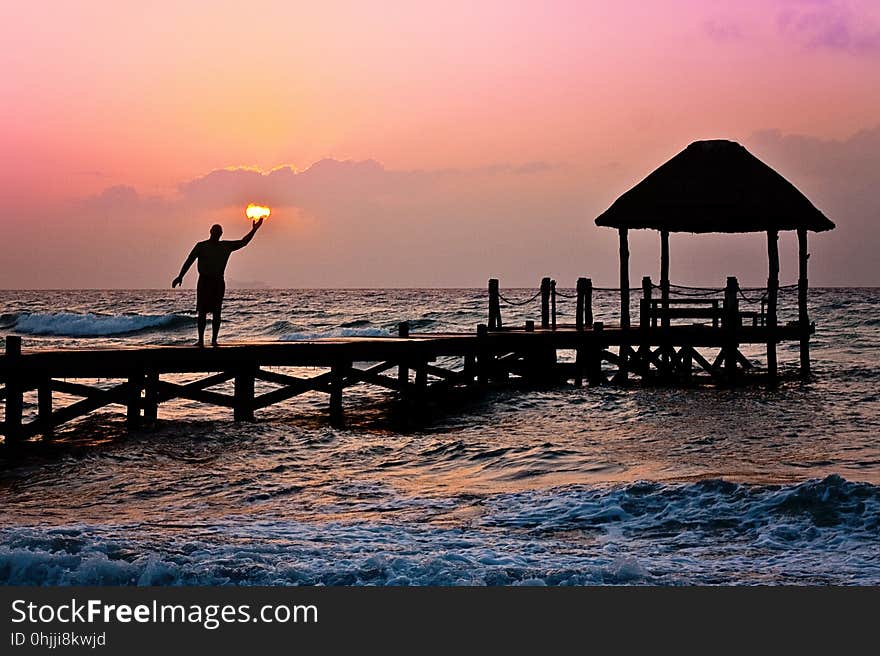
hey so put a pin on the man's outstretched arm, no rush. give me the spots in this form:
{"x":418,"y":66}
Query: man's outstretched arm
{"x":186,"y":265}
{"x":244,"y":241}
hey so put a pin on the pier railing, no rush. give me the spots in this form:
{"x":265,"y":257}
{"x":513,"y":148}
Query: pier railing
{"x":718,"y":306}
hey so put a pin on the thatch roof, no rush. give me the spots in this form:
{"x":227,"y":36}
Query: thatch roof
{"x":714,"y":186}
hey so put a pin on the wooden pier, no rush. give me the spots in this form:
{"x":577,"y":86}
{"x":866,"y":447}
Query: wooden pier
{"x":417,"y":367}
{"x":684,"y":336}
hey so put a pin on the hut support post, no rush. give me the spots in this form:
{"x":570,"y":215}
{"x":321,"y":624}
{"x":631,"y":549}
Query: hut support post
{"x":731,"y":325}
{"x":14,"y":392}
{"x":624,"y":278}
{"x":545,"y":303}
{"x":494,"y":305}
{"x":803,"y":314}
{"x":624,"y":300}
{"x":772,"y":298}
{"x":664,"y":284}
{"x":664,"y":275}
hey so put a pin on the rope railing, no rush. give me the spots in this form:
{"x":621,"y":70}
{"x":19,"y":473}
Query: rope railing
{"x":549,"y":294}
{"x":519,"y":303}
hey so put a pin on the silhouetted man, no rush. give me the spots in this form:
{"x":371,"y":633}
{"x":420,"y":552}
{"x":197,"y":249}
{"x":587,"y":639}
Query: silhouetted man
{"x":212,"y":255}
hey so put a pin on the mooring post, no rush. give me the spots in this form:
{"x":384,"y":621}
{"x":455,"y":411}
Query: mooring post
{"x":772,"y":297}
{"x":803,"y":314}
{"x":579,"y":309}
{"x":151,"y":396}
{"x":553,"y":304}
{"x":244,"y":393}
{"x":44,"y":405}
{"x":545,"y":302}
{"x":731,"y":325}
{"x":588,"y":302}
{"x":482,"y":355}
{"x":14,"y":390}
{"x":494,"y":304}
{"x":529,"y":326}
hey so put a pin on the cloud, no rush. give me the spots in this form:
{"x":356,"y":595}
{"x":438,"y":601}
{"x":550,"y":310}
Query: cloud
{"x":847,"y":27}
{"x":841,"y":176}
{"x":724,"y":30}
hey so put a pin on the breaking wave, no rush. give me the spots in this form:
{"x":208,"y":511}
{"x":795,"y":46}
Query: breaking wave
{"x":70,"y":324}
{"x":710,"y":532}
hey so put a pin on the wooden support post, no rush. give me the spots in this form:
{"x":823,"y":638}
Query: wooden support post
{"x":469,"y":369}
{"x":553,"y":304}
{"x":44,"y":405}
{"x":594,"y":364}
{"x":133,"y":401}
{"x":494,"y":305}
{"x":731,"y":326}
{"x":545,"y":302}
{"x":687,"y":362}
{"x":421,"y":383}
{"x":529,"y":326}
{"x":772,"y":298}
{"x":803,"y":313}
{"x":483,"y":355}
{"x":244,"y":394}
{"x":624,"y":278}
{"x":645,"y":304}
{"x":337,"y":383}
{"x":151,"y":396}
{"x":14,"y":391}
{"x":403,"y":367}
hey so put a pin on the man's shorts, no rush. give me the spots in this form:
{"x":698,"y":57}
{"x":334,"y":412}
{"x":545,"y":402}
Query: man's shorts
{"x":209,"y":293}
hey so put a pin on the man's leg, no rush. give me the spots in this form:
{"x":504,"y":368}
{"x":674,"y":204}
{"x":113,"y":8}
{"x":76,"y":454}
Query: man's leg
{"x":202,"y":322}
{"x":215,"y":327}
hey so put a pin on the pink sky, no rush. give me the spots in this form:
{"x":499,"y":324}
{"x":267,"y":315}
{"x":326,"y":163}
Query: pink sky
{"x":489,"y":134}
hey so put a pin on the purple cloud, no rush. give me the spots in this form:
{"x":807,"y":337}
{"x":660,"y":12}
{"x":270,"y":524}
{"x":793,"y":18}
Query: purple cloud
{"x":836,"y":26}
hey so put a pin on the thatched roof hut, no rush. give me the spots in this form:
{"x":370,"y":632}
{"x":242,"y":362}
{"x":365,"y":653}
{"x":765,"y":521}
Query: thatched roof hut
{"x":716,"y":186}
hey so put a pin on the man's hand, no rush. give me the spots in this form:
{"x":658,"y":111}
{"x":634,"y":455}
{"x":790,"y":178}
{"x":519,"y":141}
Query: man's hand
{"x":257,"y":224}
{"x":176,"y":282}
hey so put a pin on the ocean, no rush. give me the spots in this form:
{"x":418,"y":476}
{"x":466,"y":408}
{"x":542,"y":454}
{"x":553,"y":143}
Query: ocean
{"x":547,"y":486}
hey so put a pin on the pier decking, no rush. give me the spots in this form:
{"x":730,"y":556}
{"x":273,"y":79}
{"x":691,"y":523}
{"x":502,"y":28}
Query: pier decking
{"x":406,"y":365}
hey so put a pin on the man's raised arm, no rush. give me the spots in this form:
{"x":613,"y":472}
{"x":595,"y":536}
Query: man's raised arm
{"x":186,"y":265}
{"x":244,"y":241}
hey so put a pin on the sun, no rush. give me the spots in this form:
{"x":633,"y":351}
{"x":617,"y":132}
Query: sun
{"x":255,"y":212}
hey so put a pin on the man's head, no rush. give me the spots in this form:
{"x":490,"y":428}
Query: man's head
{"x":216,"y":231}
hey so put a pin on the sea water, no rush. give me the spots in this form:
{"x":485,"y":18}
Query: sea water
{"x":545,"y":486}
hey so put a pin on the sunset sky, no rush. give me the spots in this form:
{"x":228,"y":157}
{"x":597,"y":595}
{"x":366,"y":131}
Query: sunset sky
{"x":419,"y":143}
